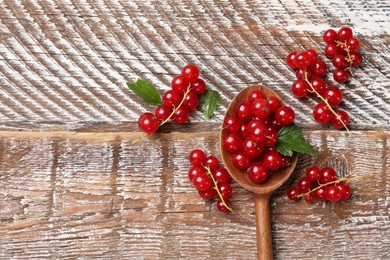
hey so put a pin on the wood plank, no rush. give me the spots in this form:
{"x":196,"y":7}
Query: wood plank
{"x":63,"y":66}
{"x":96,"y":195}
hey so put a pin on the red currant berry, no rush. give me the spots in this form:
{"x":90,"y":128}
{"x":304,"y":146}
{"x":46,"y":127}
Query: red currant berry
{"x":180,"y":84}
{"x":304,"y":185}
{"x":339,"y":61}
{"x":300,"y":73}
{"x":274,"y":103}
{"x":198,"y":87}
{"x":356,"y":58}
{"x":257,"y":173}
{"x":321,"y":113}
{"x":319,"y":84}
{"x":225,"y":190}
{"x":313,"y":173}
{"x":331,"y":50}
{"x":241,"y":160}
{"x":260,"y":108}
{"x":221,"y":175}
{"x":208,"y":194}
{"x":180,"y":116}
{"x":243,"y":111}
{"x":255,"y":94}
{"x":291,"y":60}
{"x":300,"y":88}
{"x":162,"y":112}
{"x":202,"y":181}
{"x":197,"y":157}
{"x":255,"y":122}
{"x":342,"y":48}
{"x":309,"y":198}
{"x":327,"y":175}
{"x":345,"y":190}
{"x":320,"y":193}
{"x":286,"y":161}
{"x":319,"y":68}
{"x":332,"y":193}
{"x":302,"y":60}
{"x":196,"y":170}
{"x":272,"y":160}
{"x":259,"y":133}
{"x":330,"y":36}
{"x":344,"y":34}
{"x":232,"y":142}
{"x":333,"y":95}
{"x":171,"y":98}
{"x":340,"y":76}
{"x":353,"y":44}
{"x":190,"y":73}
{"x":148,"y":123}
{"x":244,"y":130}
{"x":285,"y":116}
{"x":313,"y":55}
{"x":252,"y":148}
{"x":293,"y":193}
{"x":232,"y":124}
{"x":271,"y":138}
{"x":212,"y":163}
{"x":190,"y":101}
{"x":222,"y":207}
{"x":271,"y":122}
{"x":342,"y":117}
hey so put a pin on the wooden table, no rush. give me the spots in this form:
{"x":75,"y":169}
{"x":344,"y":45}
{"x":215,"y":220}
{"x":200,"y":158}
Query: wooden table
{"x":72,"y":184}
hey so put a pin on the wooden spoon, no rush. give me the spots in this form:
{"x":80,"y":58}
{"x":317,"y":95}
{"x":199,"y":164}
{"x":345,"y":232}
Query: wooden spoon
{"x":262,"y":192}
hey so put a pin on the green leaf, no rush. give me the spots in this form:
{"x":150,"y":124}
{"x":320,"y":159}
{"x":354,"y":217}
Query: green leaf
{"x":146,"y":91}
{"x":290,"y":139}
{"x":209,"y":101}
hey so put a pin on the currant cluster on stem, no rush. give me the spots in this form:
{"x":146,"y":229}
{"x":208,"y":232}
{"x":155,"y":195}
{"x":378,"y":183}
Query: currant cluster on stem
{"x":181,"y":98}
{"x":210,"y":179}
{"x":310,"y":71}
{"x":342,"y":48}
{"x":321,"y":184}
{"x":253,"y":135}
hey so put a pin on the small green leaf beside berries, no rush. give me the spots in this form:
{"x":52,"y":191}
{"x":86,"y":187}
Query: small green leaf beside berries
{"x":209,"y":102}
{"x":146,"y":91}
{"x":290,"y":139}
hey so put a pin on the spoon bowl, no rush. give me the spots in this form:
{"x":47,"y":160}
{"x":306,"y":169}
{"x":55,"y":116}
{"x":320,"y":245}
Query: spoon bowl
{"x":262,"y":192}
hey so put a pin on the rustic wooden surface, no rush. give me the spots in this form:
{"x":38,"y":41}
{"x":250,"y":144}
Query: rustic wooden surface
{"x":72,"y":185}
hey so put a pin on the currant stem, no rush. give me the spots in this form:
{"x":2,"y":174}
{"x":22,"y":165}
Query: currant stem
{"x":139,"y":139}
{"x":338,"y":43}
{"x":176,"y":108}
{"x":216,"y":188}
{"x":325,"y":101}
{"x":346,"y":179}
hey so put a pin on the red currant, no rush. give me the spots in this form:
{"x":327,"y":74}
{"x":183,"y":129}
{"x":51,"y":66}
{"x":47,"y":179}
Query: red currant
{"x":202,"y":181}
{"x":342,"y":116}
{"x":286,"y":160}
{"x":244,"y":130}
{"x":353,"y":44}
{"x":309,"y":198}
{"x":320,"y":193}
{"x":330,"y":36}
{"x":171,"y":98}
{"x":302,"y":60}
{"x":321,"y":113}
{"x":313,"y":173}
{"x":327,"y":175}
{"x":332,"y":193}
{"x":180,"y":84}
{"x":356,"y":58}
{"x":225,"y":190}
{"x":252,"y":148}
{"x":208,"y":194}
{"x":345,"y":190}
{"x":190,"y":101}
{"x":319,"y":84}
{"x":340,"y":75}
{"x":285,"y":115}
{"x":181,"y":115}
{"x":293,"y":193}
{"x":274,"y":103}
{"x":304,"y":73}
{"x":333,"y":95}
{"x":331,"y":50}
{"x":221,"y":175}
{"x":196,"y":170}
{"x":304,"y":185}
{"x":339,"y":61}
{"x":222,"y":207}
{"x":271,"y":138}
{"x":148,"y":123}
{"x":243,"y":111}
{"x":190,"y":73}
{"x":300,"y":88}
{"x":313,"y":55}
{"x":260,"y":108}
{"x":198,"y":87}
{"x":255,"y":122}
{"x":344,"y":34}
{"x":319,"y":68}
{"x":272,"y":160}
{"x":162,"y":112}
{"x":255,"y":94}
{"x":197,"y":157}
{"x":232,"y":142}
{"x":212,"y":163}
{"x":241,"y":160}
{"x":232,"y":124}
{"x":257,"y":173}
{"x":259,"y":133}
{"x":291,"y":60}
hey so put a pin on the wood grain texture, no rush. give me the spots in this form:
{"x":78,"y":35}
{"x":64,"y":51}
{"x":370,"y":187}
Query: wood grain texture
{"x":95,"y":195}
{"x":64,"y":64}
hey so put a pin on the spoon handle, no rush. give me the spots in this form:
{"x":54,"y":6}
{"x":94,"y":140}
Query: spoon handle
{"x":263,"y":227}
